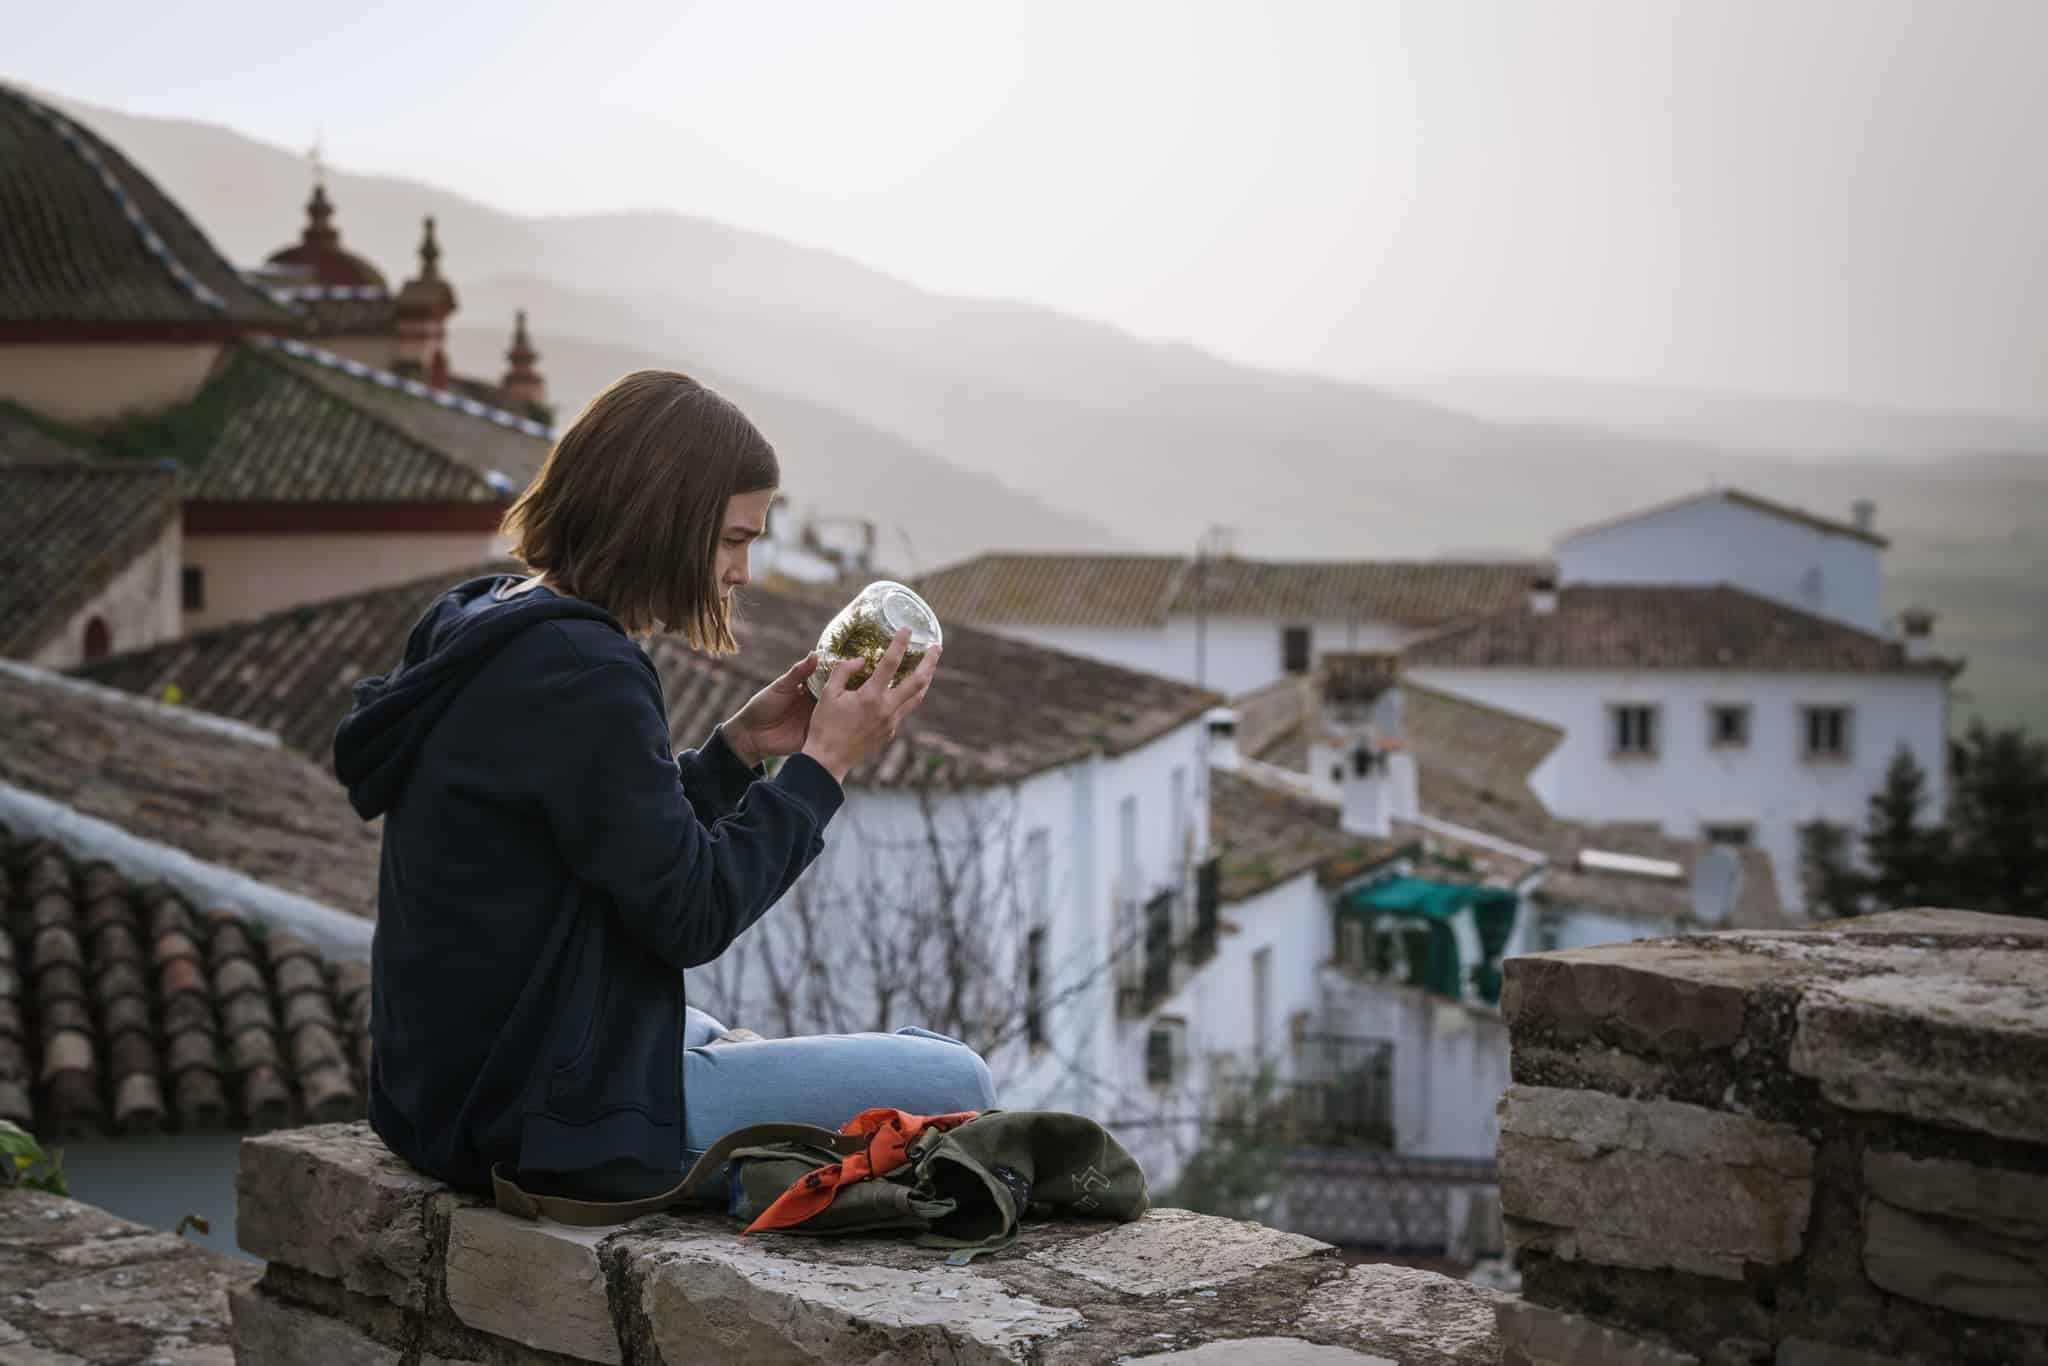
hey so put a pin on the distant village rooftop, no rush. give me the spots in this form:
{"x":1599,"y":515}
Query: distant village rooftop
{"x":1145,"y":590}
{"x":1662,"y":626}
{"x":1752,"y":501}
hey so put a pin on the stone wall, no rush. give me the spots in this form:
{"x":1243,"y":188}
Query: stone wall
{"x":371,"y":1264}
{"x":1827,"y":1146}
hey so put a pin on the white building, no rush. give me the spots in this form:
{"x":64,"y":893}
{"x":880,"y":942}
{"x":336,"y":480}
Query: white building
{"x":1725,"y":536}
{"x":1219,"y":622}
{"x":1715,"y":712}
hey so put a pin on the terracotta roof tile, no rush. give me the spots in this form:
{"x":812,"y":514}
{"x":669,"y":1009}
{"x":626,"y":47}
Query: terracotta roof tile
{"x":1004,"y":709}
{"x":160,"y":774}
{"x":1144,"y":590}
{"x":1612,"y":626}
{"x":66,"y":530}
{"x":1264,"y":836}
{"x":70,"y":254}
{"x":93,"y":1042}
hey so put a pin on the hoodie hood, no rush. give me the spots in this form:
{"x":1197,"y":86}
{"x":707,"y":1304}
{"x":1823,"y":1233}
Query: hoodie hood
{"x":393,"y":713}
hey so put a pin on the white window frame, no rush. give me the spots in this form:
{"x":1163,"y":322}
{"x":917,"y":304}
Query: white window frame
{"x":1844,"y":746}
{"x":1618,"y":738}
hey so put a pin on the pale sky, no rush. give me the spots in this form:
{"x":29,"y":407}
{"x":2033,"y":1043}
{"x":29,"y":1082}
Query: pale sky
{"x":1829,"y":197}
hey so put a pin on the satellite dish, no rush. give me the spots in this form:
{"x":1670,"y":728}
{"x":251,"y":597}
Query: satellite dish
{"x":1716,"y":883}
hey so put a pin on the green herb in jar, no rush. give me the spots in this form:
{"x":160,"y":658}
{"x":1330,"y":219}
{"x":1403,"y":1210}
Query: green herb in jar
{"x":861,"y":636}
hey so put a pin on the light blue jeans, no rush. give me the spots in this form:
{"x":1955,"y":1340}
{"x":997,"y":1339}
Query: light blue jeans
{"x":821,"y":1079}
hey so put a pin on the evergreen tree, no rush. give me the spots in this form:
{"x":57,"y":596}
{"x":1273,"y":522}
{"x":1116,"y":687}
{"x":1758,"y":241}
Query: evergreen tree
{"x":1833,"y":889}
{"x":1999,"y":822}
{"x":1908,"y":861}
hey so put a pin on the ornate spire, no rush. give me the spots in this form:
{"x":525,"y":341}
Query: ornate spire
{"x":523,"y":382}
{"x":430,"y":253}
{"x":320,"y":230}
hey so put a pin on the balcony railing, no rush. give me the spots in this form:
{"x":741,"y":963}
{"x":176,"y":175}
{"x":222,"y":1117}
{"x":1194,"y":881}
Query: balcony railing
{"x":1163,"y":938}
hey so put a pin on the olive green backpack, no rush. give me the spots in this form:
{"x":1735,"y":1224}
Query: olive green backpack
{"x":967,"y":1187}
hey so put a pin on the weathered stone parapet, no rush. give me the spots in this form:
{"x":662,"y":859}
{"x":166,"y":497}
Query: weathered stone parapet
{"x":1823,"y":1146}
{"x":80,"y":1286}
{"x":373,"y":1265}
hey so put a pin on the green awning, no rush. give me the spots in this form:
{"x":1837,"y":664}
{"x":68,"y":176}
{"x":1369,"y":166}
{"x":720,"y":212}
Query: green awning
{"x":1437,"y":966}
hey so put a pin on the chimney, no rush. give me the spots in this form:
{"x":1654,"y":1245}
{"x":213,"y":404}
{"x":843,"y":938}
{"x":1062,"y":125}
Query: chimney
{"x":1916,"y":624}
{"x":1378,"y":788}
{"x":1863,"y":513}
{"x":1543,"y":594}
{"x":1222,"y":725}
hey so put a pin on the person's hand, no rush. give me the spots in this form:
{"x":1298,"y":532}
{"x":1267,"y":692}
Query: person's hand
{"x":776,"y":719}
{"x":851,"y":725}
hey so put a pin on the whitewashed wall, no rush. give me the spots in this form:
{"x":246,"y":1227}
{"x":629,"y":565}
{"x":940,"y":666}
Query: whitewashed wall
{"x":1717,"y":541}
{"x":1075,"y":813}
{"x":1238,"y":654}
{"x":248,"y":576}
{"x":1450,"y":1060}
{"x":95,"y":381}
{"x":139,"y":606}
{"x":1690,"y":784}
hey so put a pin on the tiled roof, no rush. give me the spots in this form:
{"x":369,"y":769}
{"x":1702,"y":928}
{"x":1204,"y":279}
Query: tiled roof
{"x":1001,"y":710}
{"x":1144,"y":590}
{"x":1473,"y":763}
{"x":1616,"y":626}
{"x":1749,"y":500}
{"x":162,"y":774}
{"x":1756,"y":907}
{"x":26,"y":439}
{"x":65,"y":531}
{"x":124,"y":1008}
{"x":1263,"y":836}
{"x":1055,"y":590}
{"x":508,"y":444}
{"x":276,"y":429}
{"x":70,"y":252}
{"x":352,"y":315}
{"x":289,"y":672}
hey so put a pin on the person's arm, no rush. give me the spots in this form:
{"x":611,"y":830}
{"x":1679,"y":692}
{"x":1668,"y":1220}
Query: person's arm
{"x":620,"y":815}
{"x":714,"y":778}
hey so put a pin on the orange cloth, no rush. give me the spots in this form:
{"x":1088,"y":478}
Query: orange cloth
{"x":890,"y":1134}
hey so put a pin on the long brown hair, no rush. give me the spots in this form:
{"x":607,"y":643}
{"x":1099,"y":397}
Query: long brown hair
{"x":627,"y":511}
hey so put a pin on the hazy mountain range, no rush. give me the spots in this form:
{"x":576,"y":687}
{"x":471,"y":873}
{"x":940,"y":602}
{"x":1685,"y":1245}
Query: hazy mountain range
{"x":965,"y":424}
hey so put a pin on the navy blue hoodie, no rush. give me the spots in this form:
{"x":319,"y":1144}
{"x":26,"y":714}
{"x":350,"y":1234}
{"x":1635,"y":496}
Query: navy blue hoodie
{"x":549,"y":869}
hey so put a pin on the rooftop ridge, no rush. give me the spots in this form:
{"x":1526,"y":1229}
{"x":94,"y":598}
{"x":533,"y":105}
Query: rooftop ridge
{"x":384,"y":379}
{"x":151,"y":242}
{"x":206,"y":722}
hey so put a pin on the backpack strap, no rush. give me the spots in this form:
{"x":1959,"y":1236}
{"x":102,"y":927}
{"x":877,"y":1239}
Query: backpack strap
{"x":512,"y":1198}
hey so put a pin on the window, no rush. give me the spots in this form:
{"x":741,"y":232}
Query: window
{"x":1037,"y":870}
{"x":1294,"y":649}
{"x":1034,"y":988}
{"x":1351,"y":943}
{"x":1727,"y":726}
{"x":1635,"y":730}
{"x":1734,"y":833}
{"x":1827,"y":732}
{"x":1548,"y":932}
{"x":1177,"y":836}
{"x":99,"y":641}
{"x":1164,"y":1044}
{"x":192,"y":582}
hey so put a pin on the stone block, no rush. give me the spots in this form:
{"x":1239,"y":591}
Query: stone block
{"x":537,"y":1283}
{"x":1965,"y":1048}
{"x":333,"y":1200}
{"x":1592,"y":1177}
{"x":1808,"y":1352}
{"x":1672,"y":999}
{"x":1176,"y":1250}
{"x":1971,"y":1265}
{"x":1263,"y":1352}
{"x":1551,"y":1337}
{"x":1415,"y":1317}
{"x":740,"y":1300}
{"x":270,"y":1332}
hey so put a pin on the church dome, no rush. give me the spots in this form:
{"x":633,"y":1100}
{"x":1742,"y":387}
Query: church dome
{"x":318,"y":257}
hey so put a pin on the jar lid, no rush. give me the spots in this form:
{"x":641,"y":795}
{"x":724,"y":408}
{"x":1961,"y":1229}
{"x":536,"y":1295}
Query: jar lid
{"x":900,"y":607}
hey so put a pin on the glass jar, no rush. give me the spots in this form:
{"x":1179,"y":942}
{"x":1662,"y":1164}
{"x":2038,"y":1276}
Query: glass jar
{"x":864,"y":628}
